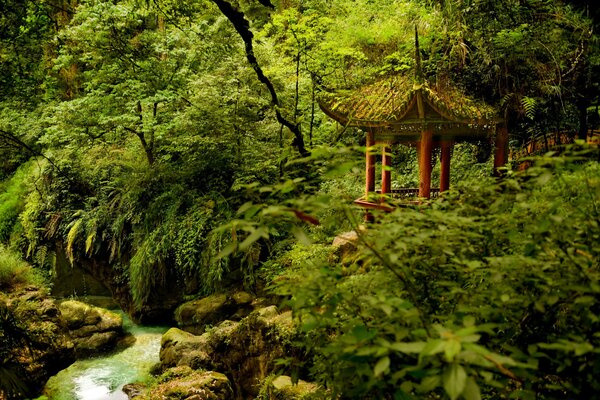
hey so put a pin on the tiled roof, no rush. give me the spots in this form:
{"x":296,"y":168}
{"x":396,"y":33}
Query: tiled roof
{"x":393,"y":102}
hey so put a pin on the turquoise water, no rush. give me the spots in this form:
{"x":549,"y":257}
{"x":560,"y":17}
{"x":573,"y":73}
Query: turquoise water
{"x":102,"y":378}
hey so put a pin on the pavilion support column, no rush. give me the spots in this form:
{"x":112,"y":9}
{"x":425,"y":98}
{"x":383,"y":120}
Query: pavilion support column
{"x":446,"y":154}
{"x":386,"y":174}
{"x":501,"y":150}
{"x":425,"y":147}
{"x":370,"y":165}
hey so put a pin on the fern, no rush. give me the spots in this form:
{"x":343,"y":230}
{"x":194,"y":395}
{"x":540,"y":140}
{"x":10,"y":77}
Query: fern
{"x":72,"y":236}
{"x":147,"y":268}
{"x":530,"y":106}
{"x":505,"y":101}
{"x":91,"y":231}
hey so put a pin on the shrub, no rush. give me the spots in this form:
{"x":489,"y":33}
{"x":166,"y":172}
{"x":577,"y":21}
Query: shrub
{"x":492,"y":291}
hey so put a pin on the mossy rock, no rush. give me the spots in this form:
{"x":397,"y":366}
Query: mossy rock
{"x":245,"y":350}
{"x":180,"y":348}
{"x":283,"y":388}
{"x":185,"y":383}
{"x":196,"y":315}
{"x":40,"y":347}
{"x":93,"y":329}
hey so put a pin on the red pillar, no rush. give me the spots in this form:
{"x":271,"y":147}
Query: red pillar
{"x":386,"y":175}
{"x":446,"y":154}
{"x":501,"y":151}
{"x":425,"y":146}
{"x":370,"y":165}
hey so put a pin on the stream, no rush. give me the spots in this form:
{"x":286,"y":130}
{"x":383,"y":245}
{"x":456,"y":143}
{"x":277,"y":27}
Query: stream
{"x":103,"y":377}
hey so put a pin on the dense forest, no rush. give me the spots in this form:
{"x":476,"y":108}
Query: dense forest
{"x":161,"y":152}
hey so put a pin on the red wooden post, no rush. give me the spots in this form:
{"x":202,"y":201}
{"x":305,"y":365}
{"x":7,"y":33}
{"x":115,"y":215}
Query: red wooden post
{"x":501,"y":151}
{"x":386,"y":163}
{"x":370,"y":167}
{"x":425,"y":147}
{"x":446,"y":154}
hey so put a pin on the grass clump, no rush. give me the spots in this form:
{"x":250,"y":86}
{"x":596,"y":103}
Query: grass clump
{"x":15,"y":272}
{"x":12,"y":193}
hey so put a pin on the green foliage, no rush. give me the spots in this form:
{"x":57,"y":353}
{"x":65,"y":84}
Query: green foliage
{"x":15,"y":272}
{"x":12,"y":334}
{"x":487,"y":292}
{"x":12,"y":193}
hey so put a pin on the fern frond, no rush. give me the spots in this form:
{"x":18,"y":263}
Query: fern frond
{"x":91,"y":228}
{"x":505,"y":100}
{"x":76,"y":229}
{"x":89,"y":243}
{"x":530,"y":105}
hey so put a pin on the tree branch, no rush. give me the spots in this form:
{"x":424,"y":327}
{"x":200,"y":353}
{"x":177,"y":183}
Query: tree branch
{"x":242,"y":26}
{"x":11,"y":138}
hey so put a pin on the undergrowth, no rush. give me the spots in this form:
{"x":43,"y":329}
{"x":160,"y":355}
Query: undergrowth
{"x":491,"y":291}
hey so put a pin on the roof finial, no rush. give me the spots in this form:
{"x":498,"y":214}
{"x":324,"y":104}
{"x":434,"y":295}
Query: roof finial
{"x":418,"y":71}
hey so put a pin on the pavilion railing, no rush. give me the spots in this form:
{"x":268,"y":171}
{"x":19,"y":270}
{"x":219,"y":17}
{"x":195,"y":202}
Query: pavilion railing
{"x":409,"y":193}
{"x":546,"y":142}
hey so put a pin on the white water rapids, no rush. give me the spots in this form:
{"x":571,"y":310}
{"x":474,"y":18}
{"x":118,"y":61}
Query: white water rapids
{"x":102,"y":378}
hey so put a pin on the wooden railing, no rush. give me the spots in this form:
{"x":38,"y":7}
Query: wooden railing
{"x":409,"y":193}
{"x":543,"y":143}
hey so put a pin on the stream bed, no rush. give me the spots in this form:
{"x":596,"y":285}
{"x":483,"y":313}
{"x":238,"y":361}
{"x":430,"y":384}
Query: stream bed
{"x":103,"y":377}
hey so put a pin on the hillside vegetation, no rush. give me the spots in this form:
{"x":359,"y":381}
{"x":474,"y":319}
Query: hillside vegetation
{"x":172,"y":150}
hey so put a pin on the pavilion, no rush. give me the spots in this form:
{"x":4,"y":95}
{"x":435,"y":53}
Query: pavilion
{"x":406,"y":109}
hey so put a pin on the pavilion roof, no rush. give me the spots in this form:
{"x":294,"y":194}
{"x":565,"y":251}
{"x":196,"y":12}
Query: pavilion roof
{"x":403,"y":103}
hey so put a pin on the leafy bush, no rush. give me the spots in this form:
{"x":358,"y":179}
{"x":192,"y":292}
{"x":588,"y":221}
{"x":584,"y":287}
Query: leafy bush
{"x":491,"y":291}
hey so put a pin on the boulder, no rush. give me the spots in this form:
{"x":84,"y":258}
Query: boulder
{"x":180,"y":348}
{"x":282,"y":388}
{"x":194,"y":316}
{"x":345,"y":244}
{"x":134,"y":390}
{"x":93,"y":329}
{"x":246,"y":350}
{"x":185,"y":383}
{"x":34,"y":343}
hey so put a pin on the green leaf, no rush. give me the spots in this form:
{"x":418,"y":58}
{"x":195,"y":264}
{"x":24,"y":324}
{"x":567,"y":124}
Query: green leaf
{"x":382,"y":366}
{"x":258,"y":233}
{"x":301,"y":236}
{"x":361,"y":332}
{"x":451,"y":348}
{"x":408,"y":348}
{"x":432,"y":347}
{"x":401,"y":395}
{"x":429,"y":383}
{"x":455,"y":379}
{"x":471,"y":391}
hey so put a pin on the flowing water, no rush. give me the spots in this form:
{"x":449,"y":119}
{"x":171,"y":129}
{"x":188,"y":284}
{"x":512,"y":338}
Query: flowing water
{"x":102,"y":378}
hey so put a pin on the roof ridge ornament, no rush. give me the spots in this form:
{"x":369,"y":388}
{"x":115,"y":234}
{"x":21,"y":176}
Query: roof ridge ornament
{"x":418,"y":70}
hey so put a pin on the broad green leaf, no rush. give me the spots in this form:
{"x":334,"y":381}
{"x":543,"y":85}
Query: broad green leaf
{"x":451,"y":348}
{"x":301,"y":236}
{"x":455,"y":379}
{"x":361,"y":332}
{"x":409,"y":347}
{"x":382,"y":366}
{"x":432,"y":347}
{"x":429,"y":383}
{"x":471,"y":391}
